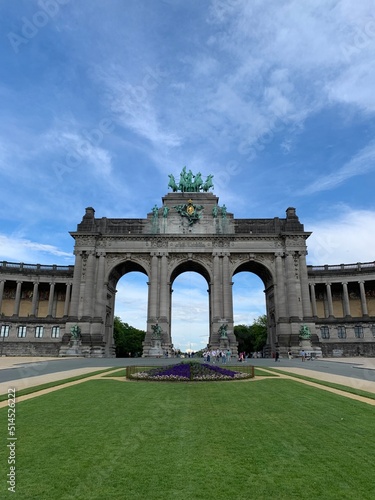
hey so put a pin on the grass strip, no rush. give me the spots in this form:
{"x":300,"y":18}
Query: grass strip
{"x":262,"y":373}
{"x":118,"y":373}
{"x":47,"y":385}
{"x":344,"y":388}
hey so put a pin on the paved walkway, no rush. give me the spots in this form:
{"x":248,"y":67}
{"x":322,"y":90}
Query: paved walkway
{"x":16,"y":361}
{"x":30,"y":367}
{"x":363,"y":384}
{"x":337,"y":380}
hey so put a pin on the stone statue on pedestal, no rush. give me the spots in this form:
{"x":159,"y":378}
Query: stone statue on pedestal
{"x":223,"y":331}
{"x":304,"y":333}
{"x":76,"y":332}
{"x":156,"y":331}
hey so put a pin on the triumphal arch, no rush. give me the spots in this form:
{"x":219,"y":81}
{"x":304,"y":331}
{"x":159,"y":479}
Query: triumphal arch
{"x":190,"y":231}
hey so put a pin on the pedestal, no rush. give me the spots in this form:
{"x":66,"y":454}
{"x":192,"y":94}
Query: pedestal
{"x":310,"y":351}
{"x":75,"y":348}
{"x":155,"y":350}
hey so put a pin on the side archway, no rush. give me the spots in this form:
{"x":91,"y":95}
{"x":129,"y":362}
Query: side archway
{"x":265,"y":274}
{"x":110,"y":289}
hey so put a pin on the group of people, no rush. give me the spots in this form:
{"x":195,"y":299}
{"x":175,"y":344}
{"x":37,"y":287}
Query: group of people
{"x":242,"y":357}
{"x":217,"y":355}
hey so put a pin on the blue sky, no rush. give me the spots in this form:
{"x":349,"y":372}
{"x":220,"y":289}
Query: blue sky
{"x":102,"y":100}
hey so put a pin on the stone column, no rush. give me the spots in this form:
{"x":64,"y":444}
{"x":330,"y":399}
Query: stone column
{"x":305,"y":296}
{"x":216,"y":302}
{"x":164,"y":287}
{"x":346,"y":304}
{"x":50,"y":299}
{"x":165,"y":299}
{"x":89,"y":285}
{"x":34,"y":303}
{"x":153,"y":312}
{"x":17,"y":300}
{"x":2,"y":283}
{"x":227,"y":290}
{"x":313,"y":299}
{"x":291,"y":286}
{"x":280,"y":286}
{"x":170,"y":291}
{"x":363,"y":298}
{"x":329,"y":299}
{"x":67,"y":298}
{"x":100,"y":288}
{"x":76,"y":288}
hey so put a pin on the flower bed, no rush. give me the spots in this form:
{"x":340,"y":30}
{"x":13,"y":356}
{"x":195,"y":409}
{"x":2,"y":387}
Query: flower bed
{"x":190,"y":371}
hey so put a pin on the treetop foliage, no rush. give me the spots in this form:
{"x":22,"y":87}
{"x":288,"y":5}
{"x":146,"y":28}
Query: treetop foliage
{"x":252,"y":338}
{"x":128,"y":340}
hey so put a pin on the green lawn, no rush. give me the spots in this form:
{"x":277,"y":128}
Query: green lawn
{"x":267,"y":439}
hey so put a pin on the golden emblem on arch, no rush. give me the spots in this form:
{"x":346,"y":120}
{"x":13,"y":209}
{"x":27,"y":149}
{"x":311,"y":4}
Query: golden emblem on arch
{"x":190,"y":208}
{"x":190,"y":211}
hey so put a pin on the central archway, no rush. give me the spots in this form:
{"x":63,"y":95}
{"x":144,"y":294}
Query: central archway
{"x":264,"y":273}
{"x":190,"y":321}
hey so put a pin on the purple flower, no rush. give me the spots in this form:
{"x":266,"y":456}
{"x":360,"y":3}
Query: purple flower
{"x":192,"y":370}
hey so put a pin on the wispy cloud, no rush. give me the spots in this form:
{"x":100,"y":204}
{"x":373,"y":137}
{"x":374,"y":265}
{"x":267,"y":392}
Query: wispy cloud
{"x":297,"y":53}
{"x":360,"y":164}
{"x":134,"y":104}
{"x":74,"y":146}
{"x":345,"y":236}
{"x":14,"y":249}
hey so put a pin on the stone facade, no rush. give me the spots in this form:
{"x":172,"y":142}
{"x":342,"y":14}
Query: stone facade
{"x":343,"y":305}
{"x":189,"y":232}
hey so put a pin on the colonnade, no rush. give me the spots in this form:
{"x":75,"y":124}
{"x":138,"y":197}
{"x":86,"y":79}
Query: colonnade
{"x":345,"y":298}
{"x":52,"y":299}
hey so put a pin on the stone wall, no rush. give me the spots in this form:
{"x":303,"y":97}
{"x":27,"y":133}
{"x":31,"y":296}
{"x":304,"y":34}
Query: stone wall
{"x":50,"y":349}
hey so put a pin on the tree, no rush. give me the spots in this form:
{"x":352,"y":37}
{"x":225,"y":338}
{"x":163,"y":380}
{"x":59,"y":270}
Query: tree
{"x":128,"y":340}
{"x":253,"y":337}
{"x":259,"y":332}
{"x":243,"y":337}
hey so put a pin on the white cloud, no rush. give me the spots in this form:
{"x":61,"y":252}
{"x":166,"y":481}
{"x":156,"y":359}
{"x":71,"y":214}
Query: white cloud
{"x":362,"y":163}
{"x":355,"y":84}
{"x":131,"y":300}
{"x":347,"y":238}
{"x":296,"y":52}
{"x":77,"y":147}
{"x":134,"y":105}
{"x":14,"y":249}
